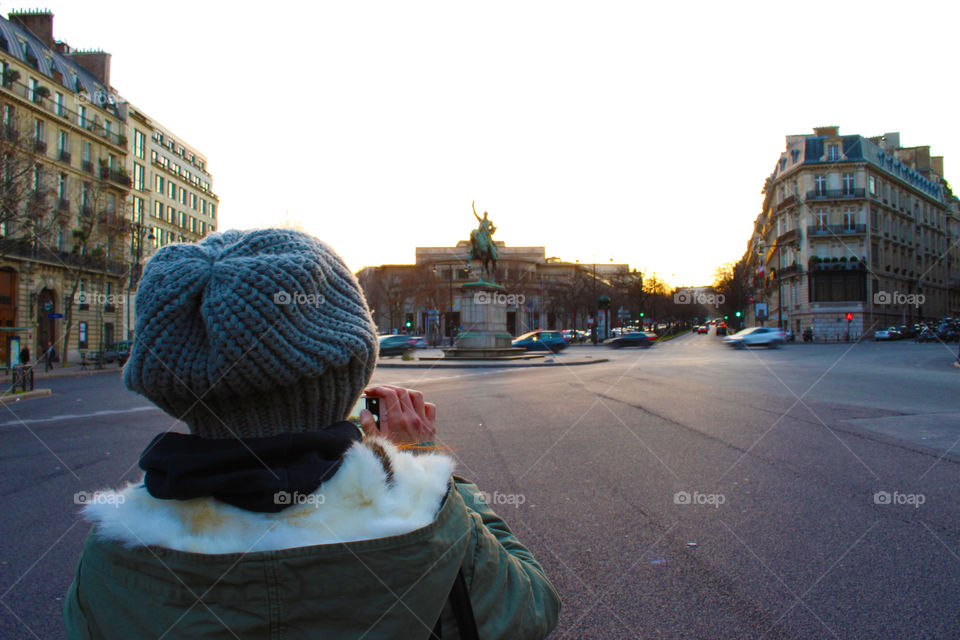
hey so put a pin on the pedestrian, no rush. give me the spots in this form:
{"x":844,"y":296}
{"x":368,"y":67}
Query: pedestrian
{"x":49,"y":357}
{"x":274,"y":515}
{"x":25,"y":355}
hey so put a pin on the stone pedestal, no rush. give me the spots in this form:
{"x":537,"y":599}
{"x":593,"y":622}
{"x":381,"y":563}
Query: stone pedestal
{"x":483,"y":322}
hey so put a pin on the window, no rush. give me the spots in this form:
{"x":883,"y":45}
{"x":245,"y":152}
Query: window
{"x":8,"y":115}
{"x":833,"y":152}
{"x":106,"y":128}
{"x":822,"y":219}
{"x":38,"y":131}
{"x":874,"y":254}
{"x":58,"y":101}
{"x":139,"y":144}
{"x":203,"y":228}
{"x":820,"y":185}
{"x":849,"y":219}
{"x":86,"y":150}
{"x":32,"y":89}
{"x":138,"y":209}
{"x":158,"y":187}
{"x":872,"y":184}
{"x":213,"y":210}
{"x":138,"y":173}
{"x":158,"y":209}
{"x":170,"y":214}
{"x":848,"y":184}
{"x":64,"y":141}
{"x":183,"y":196}
{"x":874,"y":219}
{"x":83,"y":330}
{"x":171,"y":189}
{"x":62,"y":187}
{"x":82,"y":111}
{"x":193,"y":224}
{"x":193,"y":201}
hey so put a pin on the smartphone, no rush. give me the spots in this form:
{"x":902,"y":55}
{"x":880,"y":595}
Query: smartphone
{"x":369,"y":403}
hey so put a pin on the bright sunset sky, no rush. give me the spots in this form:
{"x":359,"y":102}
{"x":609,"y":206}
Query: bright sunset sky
{"x":637,"y":131}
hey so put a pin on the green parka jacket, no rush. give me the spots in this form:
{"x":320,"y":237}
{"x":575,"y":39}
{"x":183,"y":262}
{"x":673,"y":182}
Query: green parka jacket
{"x":386,"y":587}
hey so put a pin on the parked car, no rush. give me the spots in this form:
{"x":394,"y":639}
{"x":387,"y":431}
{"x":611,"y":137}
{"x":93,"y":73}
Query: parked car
{"x":757,"y":337}
{"x":890,"y":333}
{"x":540,"y":340}
{"x":634,"y":339}
{"x":117,"y":352}
{"x":570,"y":335}
{"x":395,"y":345}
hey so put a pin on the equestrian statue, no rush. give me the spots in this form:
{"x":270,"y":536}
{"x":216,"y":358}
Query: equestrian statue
{"x":482,"y":247}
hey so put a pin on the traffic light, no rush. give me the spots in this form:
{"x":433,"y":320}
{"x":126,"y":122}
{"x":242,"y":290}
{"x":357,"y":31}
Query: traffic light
{"x":409,"y":324}
{"x":724,"y":317}
{"x":641,"y":314}
{"x":849,"y":316}
{"x":738,"y":314}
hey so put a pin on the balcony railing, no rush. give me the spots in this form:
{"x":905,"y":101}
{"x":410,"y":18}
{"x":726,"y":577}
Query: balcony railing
{"x":23,"y":249}
{"x":789,"y":270}
{"x":788,"y":236}
{"x":836,"y":230}
{"x":65,"y":156}
{"x":788,"y":201}
{"x":114,"y":175}
{"x":40,"y":146}
{"x":116,"y":137}
{"x":87,"y":166}
{"x":835,"y":194}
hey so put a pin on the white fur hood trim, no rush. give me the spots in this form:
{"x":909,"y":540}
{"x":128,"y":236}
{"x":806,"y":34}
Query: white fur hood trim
{"x":356,"y":504}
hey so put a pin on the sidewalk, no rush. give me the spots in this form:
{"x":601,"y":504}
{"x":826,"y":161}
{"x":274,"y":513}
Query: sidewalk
{"x":433,"y":359}
{"x":72,"y":370}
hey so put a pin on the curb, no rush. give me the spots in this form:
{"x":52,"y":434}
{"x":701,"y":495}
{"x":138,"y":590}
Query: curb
{"x":70,"y":373}
{"x":11,"y":398}
{"x":434,"y":364}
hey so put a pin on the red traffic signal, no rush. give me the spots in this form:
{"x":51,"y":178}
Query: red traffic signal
{"x":849,"y":316}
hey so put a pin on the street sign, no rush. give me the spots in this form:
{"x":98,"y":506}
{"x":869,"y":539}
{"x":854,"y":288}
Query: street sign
{"x":761,"y":310}
{"x":54,"y":315}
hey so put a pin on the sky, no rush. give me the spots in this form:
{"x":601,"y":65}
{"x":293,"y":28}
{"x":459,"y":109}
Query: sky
{"x":640,"y":132}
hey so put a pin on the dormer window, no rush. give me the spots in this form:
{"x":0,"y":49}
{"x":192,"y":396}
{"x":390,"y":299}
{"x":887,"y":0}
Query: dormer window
{"x":833,"y":152}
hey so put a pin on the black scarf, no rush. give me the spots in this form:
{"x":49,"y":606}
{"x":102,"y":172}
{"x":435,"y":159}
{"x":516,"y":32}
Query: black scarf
{"x":248,"y":473}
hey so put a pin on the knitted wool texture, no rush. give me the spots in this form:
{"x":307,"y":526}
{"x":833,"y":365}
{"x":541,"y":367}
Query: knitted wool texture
{"x":251,"y":333}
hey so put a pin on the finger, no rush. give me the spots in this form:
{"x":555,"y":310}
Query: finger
{"x":416,"y":398}
{"x":430,"y":410}
{"x":367,"y":422}
{"x":391,"y":412}
{"x":411,"y":420}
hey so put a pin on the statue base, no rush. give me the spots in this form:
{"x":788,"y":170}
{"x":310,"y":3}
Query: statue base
{"x":483,"y":314}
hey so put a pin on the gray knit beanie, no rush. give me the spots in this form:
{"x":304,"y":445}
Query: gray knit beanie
{"x":251,"y":333}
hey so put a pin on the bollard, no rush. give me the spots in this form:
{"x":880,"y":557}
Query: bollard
{"x":21,"y":376}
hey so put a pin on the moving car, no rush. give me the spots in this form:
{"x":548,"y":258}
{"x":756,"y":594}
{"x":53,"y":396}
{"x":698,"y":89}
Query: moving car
{"x":890,"y":333}
{"x":634,"y":339}
{"x":702,"y":329}
{"x":395,"y":345}
{"x":540,"y":340}
{"x":757,"y":337}
{"x":721,"y":329}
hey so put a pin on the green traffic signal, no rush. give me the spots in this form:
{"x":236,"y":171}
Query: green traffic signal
{"x":738,"y":314}
{"x":641,"y":314}
{"x":724,"y":317}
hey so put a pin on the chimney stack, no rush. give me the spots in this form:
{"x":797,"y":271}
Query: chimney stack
{"x":39,"y":23}
{"x":96,"y":62}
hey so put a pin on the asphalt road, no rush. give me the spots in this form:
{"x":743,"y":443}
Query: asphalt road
{"x":685,"y":491}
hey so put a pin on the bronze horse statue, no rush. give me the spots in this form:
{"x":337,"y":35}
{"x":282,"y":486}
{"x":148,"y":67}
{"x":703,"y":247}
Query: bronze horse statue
{"x":482,"y":247}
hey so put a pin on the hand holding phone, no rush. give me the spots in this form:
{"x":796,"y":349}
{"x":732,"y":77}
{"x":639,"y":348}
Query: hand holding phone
{"x":404,"y":416}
